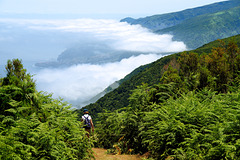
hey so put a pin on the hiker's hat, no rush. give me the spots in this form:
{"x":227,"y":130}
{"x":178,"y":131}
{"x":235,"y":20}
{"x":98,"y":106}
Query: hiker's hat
{"x":85,"y":110}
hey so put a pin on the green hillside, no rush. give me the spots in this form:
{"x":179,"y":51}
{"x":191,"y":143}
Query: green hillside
{"x":150,"y":74}
{"x":206,"y":28}
{"x":208,"y":47}
{"x":196,"y":26}
{"x":191,"y":112}
{"x":157,"y":22}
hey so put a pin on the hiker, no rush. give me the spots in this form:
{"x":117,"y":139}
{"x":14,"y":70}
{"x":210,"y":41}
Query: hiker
{"x":88,"y":124}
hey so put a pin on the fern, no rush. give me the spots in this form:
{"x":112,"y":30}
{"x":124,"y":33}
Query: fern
{"x":33,"y":125}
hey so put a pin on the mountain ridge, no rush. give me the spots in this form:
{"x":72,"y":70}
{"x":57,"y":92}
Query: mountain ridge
{"x":211,"y":27}
{"x":155,"y":22}
{"x":196,"y":29}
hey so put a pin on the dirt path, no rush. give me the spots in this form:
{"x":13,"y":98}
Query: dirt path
{"x":101,"y":154}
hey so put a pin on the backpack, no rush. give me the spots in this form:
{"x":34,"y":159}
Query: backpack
{"x":87,"y":123}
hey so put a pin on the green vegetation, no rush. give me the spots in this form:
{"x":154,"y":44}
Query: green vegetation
{"x":206,"y":28}
{"x":35,"y":126}
{"x":207,"y":48}
{"x":200,"y":125}
{"x":193,"y":112}
{"x":197,"y":26}
{"x":149,"y":74}
{"x":158,"y":22}
{"x":183,"y":106}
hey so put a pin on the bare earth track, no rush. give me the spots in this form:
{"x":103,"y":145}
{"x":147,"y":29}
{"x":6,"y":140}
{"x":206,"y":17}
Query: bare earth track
{"x":101,"y":154}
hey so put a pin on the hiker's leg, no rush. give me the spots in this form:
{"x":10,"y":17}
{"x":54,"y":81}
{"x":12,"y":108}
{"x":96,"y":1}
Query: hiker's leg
{"x":88,"y":132}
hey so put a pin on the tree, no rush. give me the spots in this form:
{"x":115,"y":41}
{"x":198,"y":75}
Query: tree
{"x":218,"y":65}
{"x":17,"y":88}
{"x":189,"y":70}
{"x":189,"y":63}
{"x":233,"y":58}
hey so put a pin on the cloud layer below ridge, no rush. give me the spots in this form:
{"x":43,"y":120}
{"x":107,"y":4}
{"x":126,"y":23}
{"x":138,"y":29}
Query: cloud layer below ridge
{"x":81,"y":82}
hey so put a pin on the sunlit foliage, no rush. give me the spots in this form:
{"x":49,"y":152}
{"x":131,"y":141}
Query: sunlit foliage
{"x":33,"y":125}
{"x":193,"y":113}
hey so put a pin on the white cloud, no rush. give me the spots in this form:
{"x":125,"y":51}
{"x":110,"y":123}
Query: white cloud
{"x":120,"y":35}
{"x":82,"y":82}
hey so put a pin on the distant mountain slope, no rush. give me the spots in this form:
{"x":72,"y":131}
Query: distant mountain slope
{"x":150,"y":74}
{"x":157,"y":22}
{"x":206,"y":28}
{"x":93,"y":53}
{"x":196,"y":26}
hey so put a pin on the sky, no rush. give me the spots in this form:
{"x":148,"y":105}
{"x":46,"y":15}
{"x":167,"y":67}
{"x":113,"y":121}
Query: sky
{"x":99,"y":7}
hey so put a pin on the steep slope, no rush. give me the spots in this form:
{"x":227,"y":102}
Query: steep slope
{"x":206,"y":28}
{"x":157,"y":22}
{"x":196,"y":26}
{"x":150,"y":74}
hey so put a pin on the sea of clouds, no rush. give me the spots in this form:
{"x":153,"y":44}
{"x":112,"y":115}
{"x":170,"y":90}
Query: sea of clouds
{"x":79,"y":83}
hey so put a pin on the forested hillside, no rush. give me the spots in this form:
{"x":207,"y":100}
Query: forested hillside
{"x":149,"y":74}
{"x":206,"y":28}
{"x":192,"y":112}
{"x":197,"y":26}
{"x":158,"y":22}
{"x":33,"y":125}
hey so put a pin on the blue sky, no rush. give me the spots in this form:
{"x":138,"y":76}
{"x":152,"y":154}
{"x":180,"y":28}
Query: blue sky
{"x":103,"y":7}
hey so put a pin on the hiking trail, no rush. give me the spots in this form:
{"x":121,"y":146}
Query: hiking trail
{"x":101,"y":154}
